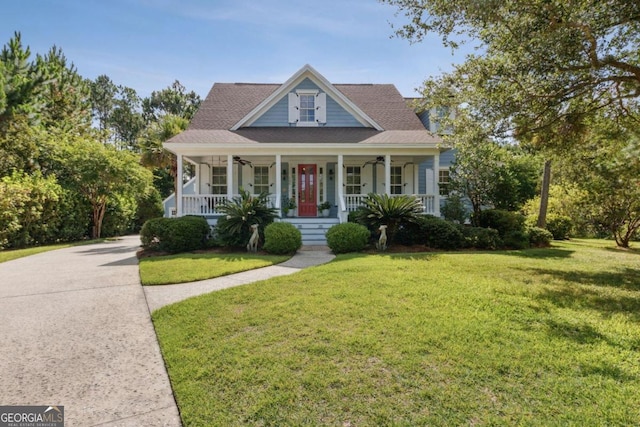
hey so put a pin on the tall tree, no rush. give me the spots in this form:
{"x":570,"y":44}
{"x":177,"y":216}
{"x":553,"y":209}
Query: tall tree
{"x":126,"y":120}
{"x":174,"y":100}
{"x":154,"y":155}
{"x":605,"y":165}
{"x":65,"y":96}
{"x":103,"y":93}
{"x":542,"y":65}
{"x":98,"y":172}
{"x":22,"y":83}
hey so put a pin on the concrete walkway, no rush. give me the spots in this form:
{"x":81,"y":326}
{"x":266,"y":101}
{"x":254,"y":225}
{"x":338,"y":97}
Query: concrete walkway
{"x":159,"y":296}
{"x":77,"y":332}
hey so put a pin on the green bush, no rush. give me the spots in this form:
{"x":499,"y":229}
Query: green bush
{"x":175,"y":235}
{"x":560,"y":226}
{"x":539,"y":237}
{"x":347,"y":237}
{"x":28,"y":210}
{"x":149,"y":206}
{"x":441,"y":234}
{"x":516,"y":240}
{"x":120,"y":215}
{"x":504,"y":221}
{"x":282,"y":238}
{"x":411,"y":234}
{"x":481,"y":238}
{"x":394,"y":212}
{"x":454,"y":210}
{"x":239,"y":214}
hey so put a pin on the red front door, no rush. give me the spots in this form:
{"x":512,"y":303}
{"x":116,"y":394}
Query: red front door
{"x":307,"y":190}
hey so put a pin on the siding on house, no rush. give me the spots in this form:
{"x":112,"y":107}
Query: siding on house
{"x":278,"y":115}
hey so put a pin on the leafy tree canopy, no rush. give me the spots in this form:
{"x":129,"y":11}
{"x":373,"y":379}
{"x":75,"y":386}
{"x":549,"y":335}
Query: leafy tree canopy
{"x":541,"y":65}
{"x":173,"y":100}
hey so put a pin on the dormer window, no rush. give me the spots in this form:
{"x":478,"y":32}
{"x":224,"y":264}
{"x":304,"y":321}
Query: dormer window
{"x":307,"y":107}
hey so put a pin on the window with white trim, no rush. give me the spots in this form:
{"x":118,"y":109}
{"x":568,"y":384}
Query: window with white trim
{"x":307,"y":107}
{"x":218,"y":180}
{"x":396,"y":179}
{"x":443,"y":182}
{"x":260,"y":179}
{"x":354,"y":180}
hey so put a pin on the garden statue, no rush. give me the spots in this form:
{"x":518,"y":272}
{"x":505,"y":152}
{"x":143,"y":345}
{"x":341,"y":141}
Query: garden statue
{"x":252,"y":246}
{"x":382,"y":241}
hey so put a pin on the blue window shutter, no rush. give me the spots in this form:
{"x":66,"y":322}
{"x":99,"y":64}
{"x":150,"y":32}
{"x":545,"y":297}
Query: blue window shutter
{"x":294,"y":113}
{"x":321,"y":108}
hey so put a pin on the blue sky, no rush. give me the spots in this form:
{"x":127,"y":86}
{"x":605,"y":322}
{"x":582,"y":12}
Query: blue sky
{"x":147,"y":44}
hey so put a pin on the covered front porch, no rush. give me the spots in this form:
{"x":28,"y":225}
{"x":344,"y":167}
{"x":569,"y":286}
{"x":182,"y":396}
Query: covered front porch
{"x":299,"y":182}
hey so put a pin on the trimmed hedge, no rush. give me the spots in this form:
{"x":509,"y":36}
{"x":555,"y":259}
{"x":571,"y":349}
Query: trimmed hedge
{"x":560,"y":226}
{"x":504,"y":221}
{"x":175,"y":235}
{"x":539,"y":237}
{"x":282,"y":238}
{"x":441,"y":234}
{"x":347,"y":237}
{"x":481,"y":238}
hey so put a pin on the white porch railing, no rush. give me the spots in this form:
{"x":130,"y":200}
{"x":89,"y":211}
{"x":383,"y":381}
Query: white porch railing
{"x":353,"y":201}
{"x":207,"y":204}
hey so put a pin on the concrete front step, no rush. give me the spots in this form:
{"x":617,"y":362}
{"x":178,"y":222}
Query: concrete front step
{"x":313,"y":230}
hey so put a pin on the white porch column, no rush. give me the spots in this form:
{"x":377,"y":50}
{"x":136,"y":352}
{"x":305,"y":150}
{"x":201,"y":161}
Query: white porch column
{"x":340,"y":176}
{"x":179,"y":185}
{"x":230,"y":176}
{"x":387,"y":174}
{"x":278,"y":182}
{"x":436,"y":186}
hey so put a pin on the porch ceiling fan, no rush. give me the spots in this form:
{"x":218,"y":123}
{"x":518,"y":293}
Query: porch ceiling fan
{"x":239,"y":160}
{"x":377,"y":161}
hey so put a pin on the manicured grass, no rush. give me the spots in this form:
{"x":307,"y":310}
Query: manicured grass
{"x":535,"y":337}
{"x":190,"y":267}
{"x":8,"y":255}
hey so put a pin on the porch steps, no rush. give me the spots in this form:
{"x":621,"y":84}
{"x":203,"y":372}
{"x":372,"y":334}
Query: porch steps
{"x":313,"y":229}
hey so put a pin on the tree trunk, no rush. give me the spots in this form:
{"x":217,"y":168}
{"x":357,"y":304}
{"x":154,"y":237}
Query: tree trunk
{"x":544,"y":195}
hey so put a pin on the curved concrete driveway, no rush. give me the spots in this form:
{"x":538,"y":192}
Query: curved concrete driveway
{"x":76,"y":332}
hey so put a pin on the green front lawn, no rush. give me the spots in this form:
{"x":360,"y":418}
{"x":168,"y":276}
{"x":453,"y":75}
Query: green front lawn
{"x":535,"y":337}
{"x":189,"y":267}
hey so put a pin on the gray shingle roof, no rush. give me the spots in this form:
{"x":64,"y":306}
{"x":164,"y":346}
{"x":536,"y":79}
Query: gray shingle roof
{"x":227,"y":103}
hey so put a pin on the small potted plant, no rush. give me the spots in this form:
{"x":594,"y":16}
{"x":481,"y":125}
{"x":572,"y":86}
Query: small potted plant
{"x":324,"y":208}
{"x":290,"y":207}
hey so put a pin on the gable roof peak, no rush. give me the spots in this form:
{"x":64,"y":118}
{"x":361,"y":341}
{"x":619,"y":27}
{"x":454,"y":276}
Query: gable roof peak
{"x":307,"y":71}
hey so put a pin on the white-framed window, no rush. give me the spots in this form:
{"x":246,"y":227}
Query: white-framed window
{"x":260,"y":179}
{"x":307,"y":107}
{"x":443,"y":182}
{"x":218,"y":180}
{"x":354,"y":180}
{"x":396,"y":179}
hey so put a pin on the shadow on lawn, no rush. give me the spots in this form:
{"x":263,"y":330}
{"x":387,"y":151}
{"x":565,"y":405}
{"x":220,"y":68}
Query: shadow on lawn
{"x":627,"y":278}
{"x":539,"y":253}
{"x":577,"y":297}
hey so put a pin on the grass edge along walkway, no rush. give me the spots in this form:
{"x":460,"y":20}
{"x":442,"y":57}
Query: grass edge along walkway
{"x":535,"y":337}
{"x":191,"y":267}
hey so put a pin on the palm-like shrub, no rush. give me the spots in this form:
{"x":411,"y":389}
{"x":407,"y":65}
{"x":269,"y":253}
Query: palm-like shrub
{"x":238,"y":214}
{"x":381,"y":209}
